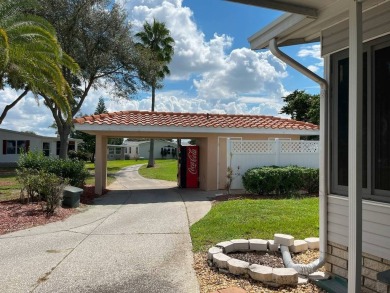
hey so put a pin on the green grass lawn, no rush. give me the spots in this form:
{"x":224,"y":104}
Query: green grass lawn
{"x":260,"y":218}
{"x":9,"y":186}
{"x":163,"y":170}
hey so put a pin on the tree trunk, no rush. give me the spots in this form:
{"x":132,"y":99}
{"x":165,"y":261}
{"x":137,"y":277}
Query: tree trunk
{"x":151,"y":149}
{"x":151,"y":154}
{"x":64,"y":132}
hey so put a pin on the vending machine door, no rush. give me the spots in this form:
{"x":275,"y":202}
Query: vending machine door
{"x":192,"y":167}
{"x":189,"y":167}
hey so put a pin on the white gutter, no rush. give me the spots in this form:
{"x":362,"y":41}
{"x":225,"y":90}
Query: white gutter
{"x":312,"y":267}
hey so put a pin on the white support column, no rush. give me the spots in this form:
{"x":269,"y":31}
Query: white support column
{"x":355,"y":147}
{"x":100,"y":164}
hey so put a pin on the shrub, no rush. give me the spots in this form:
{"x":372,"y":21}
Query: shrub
{"x":40,"y":185}
{"x":281,"y":180}
{"x":79,"y":155}
{"x":51,"y":187}
{"x":72,"y":171}
{"x":29,"y":179}
{"x":311,"y":179}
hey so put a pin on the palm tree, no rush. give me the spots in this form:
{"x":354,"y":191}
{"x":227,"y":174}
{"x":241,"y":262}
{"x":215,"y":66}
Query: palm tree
{"x":156,"y":44}
{"x":31,"y":58}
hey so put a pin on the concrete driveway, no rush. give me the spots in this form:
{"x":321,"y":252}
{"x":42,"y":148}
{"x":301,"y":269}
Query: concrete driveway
{"x":134,"y":239}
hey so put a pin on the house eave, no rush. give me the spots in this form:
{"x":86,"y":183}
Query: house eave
{"x":282,"y":5}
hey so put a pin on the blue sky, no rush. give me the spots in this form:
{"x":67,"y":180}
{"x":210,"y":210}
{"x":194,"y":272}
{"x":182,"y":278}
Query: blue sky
{"x":213,"y":69}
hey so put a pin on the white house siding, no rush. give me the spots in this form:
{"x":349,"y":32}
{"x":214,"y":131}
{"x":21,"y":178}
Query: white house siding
{"x":376,"y":229}
{"x":36,"y":144}
{"x":376,"y":22}
{"x":158,"y":144}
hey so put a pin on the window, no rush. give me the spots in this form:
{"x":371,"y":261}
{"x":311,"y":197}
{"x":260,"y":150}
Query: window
{"x":375,"y":122}
{"x":12,"y":147}
{"x":71,"y":147}
{"x":46,"y":149}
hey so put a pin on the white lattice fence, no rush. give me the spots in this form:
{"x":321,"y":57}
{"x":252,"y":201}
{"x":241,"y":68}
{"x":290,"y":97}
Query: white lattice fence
{"x":246,"y":154}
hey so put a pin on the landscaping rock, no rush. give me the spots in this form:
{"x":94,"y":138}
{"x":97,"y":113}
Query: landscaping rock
{"x":258,"y":244}
{"x":213,"y":250}
{"x":302,"y":280}
{"x":285,"y":276}
{"x":284,"y":239}
{"x":316,"y":276}
{"x":240,"y":245}
{"x":220,"y":260}
{"x":313,"y":242}
{"x":272,"y":246}
{"x":227,"y":246}
{"x":298,"y":246}
{"x":260,"y":273}
{"x":237,"y":267}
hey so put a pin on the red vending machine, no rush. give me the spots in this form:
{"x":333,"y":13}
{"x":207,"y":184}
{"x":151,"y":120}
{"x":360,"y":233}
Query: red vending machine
{"x":189,"y":166}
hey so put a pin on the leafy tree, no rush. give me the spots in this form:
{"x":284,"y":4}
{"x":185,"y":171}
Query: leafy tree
{"x":156,"y":44}
{"x":302,"y":107}
{"x":98,"y":36}
{"x":31,"y":57}
{"x":101,"y":107}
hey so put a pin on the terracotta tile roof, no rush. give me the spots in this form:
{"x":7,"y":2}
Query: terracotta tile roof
{"x":137,"y":118}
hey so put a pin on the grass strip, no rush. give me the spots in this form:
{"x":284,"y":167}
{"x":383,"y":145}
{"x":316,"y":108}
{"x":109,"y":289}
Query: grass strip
{"x":260,"y":218}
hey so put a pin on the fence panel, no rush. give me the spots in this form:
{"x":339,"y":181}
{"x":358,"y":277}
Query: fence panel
{"x":247,"y":154}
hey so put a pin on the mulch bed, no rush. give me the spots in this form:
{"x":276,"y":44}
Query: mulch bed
{"x":15,"y":216}
{"x":211,"y":280}
{"x":269,"y":259}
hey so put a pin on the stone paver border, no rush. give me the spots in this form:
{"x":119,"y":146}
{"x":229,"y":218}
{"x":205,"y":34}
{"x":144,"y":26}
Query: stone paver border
{"x":217,"y":256}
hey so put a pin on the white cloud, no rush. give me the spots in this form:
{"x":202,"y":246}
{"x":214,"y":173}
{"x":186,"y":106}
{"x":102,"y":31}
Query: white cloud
{"x":244,"y":72}
{"x":312,"y":51}
{"x":313,"y":68}
{"x":27,"y":115}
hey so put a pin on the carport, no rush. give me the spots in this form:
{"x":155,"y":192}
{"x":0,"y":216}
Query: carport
{"x":211,"y":132}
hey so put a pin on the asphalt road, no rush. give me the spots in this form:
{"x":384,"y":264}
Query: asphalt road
{"x":134,"y":239}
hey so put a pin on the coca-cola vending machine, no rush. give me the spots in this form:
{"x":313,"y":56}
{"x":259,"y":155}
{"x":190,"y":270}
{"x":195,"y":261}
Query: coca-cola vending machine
{"x":189,"y":167}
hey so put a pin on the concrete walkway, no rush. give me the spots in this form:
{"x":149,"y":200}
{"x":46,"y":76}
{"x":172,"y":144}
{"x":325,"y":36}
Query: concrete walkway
{"x":134,"y":239}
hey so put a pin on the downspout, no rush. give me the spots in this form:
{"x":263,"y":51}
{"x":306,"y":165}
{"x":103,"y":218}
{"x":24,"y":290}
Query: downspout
{"x":323,"y":205}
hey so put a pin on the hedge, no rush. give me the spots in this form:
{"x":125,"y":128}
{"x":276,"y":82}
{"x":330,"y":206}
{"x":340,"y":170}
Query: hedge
{"x":73,"y":171}
{"x":281,"y":180}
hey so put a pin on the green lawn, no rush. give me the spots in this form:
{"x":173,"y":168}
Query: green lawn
{"x":9,"y":186}
{"x":260,"y":218}
{"x":163,"y":170}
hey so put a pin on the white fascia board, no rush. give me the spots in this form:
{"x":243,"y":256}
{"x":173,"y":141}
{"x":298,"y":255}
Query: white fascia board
{"x":188,"y":130}
{"x":282,"y":5}
{"x":278,"y":29}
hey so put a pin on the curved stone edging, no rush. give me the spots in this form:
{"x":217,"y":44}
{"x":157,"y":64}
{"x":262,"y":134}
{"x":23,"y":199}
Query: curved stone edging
{"x":270,"y":276}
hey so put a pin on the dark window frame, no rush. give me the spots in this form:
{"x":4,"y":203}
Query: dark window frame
{"x":370,"y":191}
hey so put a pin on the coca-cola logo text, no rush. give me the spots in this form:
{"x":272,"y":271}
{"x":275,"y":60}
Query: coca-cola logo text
{"x":192,"y":161}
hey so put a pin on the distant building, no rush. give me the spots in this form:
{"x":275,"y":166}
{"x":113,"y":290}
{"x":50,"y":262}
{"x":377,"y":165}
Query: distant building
{"x":140,"y":149}
{"x":12,"y":143}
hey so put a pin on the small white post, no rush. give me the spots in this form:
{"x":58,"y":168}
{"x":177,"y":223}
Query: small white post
{"x":277,"y":152}
{"x":355,"y":147}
